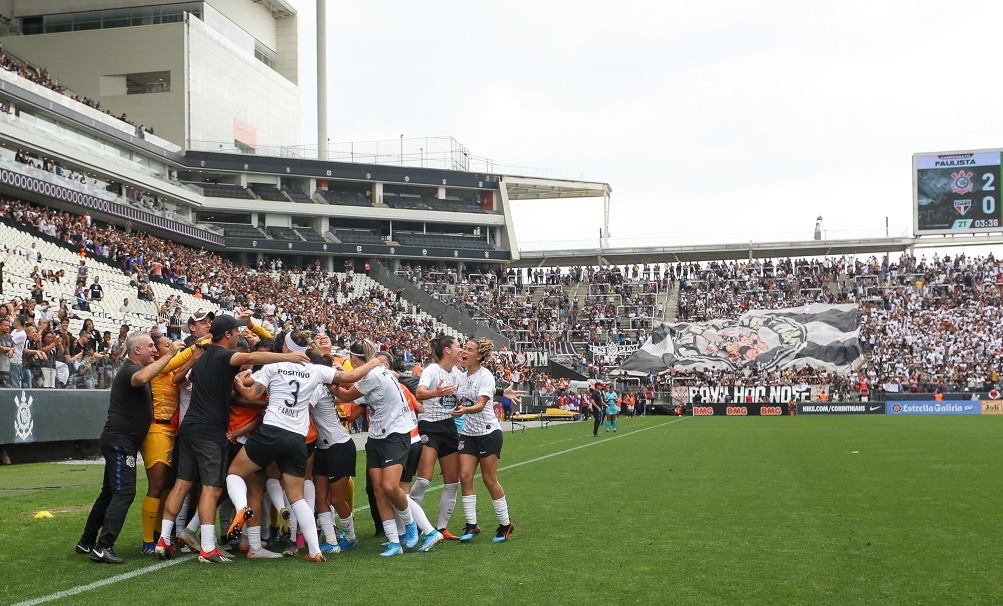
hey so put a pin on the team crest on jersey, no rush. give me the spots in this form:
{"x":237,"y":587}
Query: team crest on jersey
{"x":962,"y":183}
{"x":23,"y":423}
{"x":962,"y":206}
{"x":459,"y":445}
{"x":424,"y":439}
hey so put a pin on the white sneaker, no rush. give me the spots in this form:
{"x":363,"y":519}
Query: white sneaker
{"x":263,"y":553}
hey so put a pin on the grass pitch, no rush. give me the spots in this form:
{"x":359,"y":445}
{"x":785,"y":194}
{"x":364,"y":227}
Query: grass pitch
{"x":804,"y":510}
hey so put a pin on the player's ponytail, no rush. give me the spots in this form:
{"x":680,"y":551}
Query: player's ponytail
{"x":440,"y":344}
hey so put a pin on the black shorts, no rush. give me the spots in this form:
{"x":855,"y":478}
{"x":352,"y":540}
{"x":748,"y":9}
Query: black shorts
{"x":201,"y":460}
{"x":411,"y":466}
{"x":285,"y":448}
{"x":232,"y":450}
{"x":336,"y":461}
{"x":440,"y":435}
{"x":482,"y":446}
{"x":388,"y":451}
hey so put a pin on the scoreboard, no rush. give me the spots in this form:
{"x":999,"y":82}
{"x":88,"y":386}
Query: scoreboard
{"x":957,"y":192}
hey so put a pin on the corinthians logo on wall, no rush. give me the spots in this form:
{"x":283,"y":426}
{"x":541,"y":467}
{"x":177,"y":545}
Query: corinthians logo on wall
{"x":754,"y":342}
{"x":23,"y":423}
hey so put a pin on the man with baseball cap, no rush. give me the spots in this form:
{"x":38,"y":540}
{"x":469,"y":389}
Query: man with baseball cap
{"x":202,"y":450}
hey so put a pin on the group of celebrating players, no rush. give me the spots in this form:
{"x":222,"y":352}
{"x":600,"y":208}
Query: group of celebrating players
{"x":265,"y":419}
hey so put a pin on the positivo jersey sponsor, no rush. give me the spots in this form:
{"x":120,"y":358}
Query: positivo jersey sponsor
{"x":945,"y":407}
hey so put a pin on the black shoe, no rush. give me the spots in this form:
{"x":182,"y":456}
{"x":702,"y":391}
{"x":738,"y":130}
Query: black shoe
{"x":501,"y":535}
{"x":82,"y":549}
{"x":379,"y":534}
{"x":471,"y":531}
{"x":105,"y":556}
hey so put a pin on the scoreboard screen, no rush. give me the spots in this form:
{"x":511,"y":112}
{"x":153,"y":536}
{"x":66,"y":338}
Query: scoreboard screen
{"x":957,"y":192}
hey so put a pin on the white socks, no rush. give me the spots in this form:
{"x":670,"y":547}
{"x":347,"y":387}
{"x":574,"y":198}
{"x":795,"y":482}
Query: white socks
{"x":310,"y":494}
{"x":424,"y":526}
{"x":306,"y":524}
{"x":208,"y":537}
{"x":348,"y":525}
{"x":237,"y":489}
{"x":390,"y":529}
{"x":447,"y":503}
{"x":326,"y":520}
{"x":274,"y":490}
{"x":253,"y":534}
{"x":501,"y":510}
{"x":419,"y":488}
{"x":470,"y":508}
{"x":195,"y":523}
{"x":167,"y":530}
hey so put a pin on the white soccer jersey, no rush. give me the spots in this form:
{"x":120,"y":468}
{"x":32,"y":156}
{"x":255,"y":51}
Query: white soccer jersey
{"x":388,"y":409}
{"x":439,"y":409}
{"x":325,"y":419}
{"x":481,"y":383}
{"x":290,"y":387}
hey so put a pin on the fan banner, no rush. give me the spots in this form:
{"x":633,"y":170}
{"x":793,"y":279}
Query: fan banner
{"x":819,"y":336}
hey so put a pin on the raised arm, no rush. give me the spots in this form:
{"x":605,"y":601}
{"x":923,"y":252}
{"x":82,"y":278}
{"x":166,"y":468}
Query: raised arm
{"x":147,"y":374}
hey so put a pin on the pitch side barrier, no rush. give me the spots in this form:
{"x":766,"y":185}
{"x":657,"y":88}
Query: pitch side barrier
{"x":29,"y":416}
{"x":915,"y":406}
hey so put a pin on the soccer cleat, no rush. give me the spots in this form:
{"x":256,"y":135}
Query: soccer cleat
{"x":149,"y":548}
{"x":263,"y":554}
{"x":105,"y":556}
{"x":345,"y":544}
{"x":223,"y":551}
{"x":213,"y":557}
{"x":82,"y":549}
{"x":411,"y":535}
{"x":285,"y":530}
{"x":190,"y":541}
{"x":290,"y":550}
{"x":431,"y":540}
{"x":472,"y":531}
{"x":392,"y":550}
{"x":233,"y":532}
{"x":164,"y":549}
{"x":501,"y":535}
{"x":319,"y":558}
{"x":448,"y":536}
{"x":326,"y":547}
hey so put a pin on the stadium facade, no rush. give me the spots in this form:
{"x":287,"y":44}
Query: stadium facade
{"x":180,"y":115}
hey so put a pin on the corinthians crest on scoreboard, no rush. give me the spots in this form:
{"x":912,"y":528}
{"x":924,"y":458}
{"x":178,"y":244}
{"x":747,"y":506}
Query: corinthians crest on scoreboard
{"x":820,"y":336}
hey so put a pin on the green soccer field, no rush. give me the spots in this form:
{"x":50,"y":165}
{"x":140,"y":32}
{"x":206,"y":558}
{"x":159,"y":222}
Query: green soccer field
{"x":758,"y":510}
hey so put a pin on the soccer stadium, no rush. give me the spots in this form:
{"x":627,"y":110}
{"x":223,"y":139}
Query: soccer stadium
{"x":218,"y":328}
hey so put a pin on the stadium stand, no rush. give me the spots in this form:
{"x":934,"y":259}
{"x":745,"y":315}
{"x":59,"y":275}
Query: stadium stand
{"x":345,"y":198}
{"x":223,"y":190}
{"x":441,"y":240}
{"x":283,"y":233}
{"x":296,"y":195}
{"x":309,"y":235}
{"x":268,"y":192}
{"x":357,"y":236}
{"x":240,"y":230}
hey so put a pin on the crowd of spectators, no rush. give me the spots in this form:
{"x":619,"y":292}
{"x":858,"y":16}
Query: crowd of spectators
{"x":926,"y":324}
{"x":41,"y":77}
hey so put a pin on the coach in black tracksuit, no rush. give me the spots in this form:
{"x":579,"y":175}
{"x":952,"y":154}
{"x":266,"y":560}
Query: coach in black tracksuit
{"x":130,"y":412}
{"x":598,"y":406}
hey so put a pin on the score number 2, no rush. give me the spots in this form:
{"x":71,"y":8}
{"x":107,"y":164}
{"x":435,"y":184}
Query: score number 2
{"x":988,"y":202}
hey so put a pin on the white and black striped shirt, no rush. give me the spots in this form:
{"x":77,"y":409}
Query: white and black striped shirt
{"x":481,"y":383}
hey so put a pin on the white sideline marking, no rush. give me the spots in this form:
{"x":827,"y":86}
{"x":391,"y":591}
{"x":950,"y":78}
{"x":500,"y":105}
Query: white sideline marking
{"x":102,"y":583}
{"x":165,"y":564}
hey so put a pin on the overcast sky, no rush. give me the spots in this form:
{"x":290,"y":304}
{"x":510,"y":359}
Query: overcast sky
{"x":713,"y":121}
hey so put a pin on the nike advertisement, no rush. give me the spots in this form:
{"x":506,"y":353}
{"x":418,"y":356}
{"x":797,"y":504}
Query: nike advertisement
{"x":957,"y":192}
{"x":841,"y":408}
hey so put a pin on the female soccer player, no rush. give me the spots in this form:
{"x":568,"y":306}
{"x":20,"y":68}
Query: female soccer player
{"x":436,"y":391}
{"x":389,"y":440}
{"x":612,"y":408}
{"x":281,"y":437}
{"x":481,"y":441}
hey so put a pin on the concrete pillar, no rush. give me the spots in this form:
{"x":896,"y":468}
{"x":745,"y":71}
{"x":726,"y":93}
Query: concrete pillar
{"x":322,"y":132}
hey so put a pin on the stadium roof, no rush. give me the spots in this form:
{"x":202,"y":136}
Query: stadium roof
{"x":279,"y":8}
{"x":710,"y":252}
{"x":531,"y":188}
